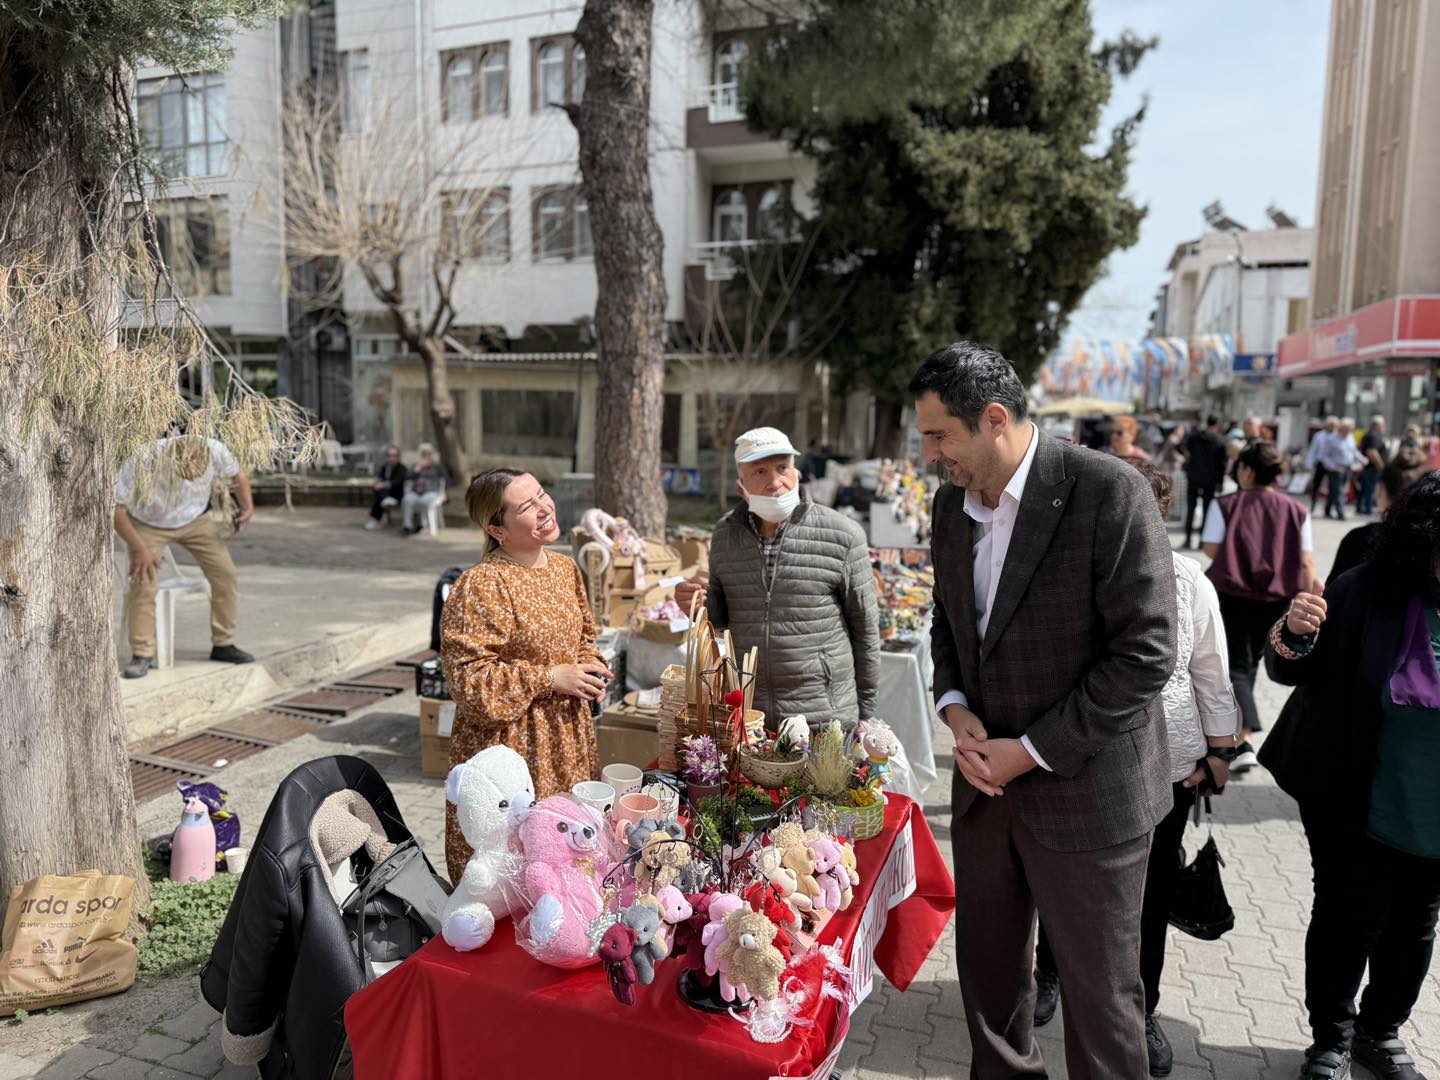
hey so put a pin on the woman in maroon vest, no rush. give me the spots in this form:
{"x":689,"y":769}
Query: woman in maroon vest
{"x":1263,"y":554}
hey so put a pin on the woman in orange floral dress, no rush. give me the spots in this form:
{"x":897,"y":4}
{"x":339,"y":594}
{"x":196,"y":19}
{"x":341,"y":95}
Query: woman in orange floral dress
{"x":518,"y":644}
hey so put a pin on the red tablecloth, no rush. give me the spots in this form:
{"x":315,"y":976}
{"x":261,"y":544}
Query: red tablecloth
{"x":499,"y":1013}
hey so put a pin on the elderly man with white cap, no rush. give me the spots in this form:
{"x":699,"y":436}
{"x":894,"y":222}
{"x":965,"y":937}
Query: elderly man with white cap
{"x":793,"y":579}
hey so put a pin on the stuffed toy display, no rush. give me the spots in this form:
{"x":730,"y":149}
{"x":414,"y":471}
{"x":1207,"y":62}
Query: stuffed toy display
{"x":616,"y":948}
{"x":662,"y":859}
{"x":748,"y":953}
{"x":764,"y":898}
{"x":643,"y":920}
{"x":826,"y":855}
{"x":852,"y":875}
{"x":767,"y":863}
{"x":568,"y":849}
{"x":722,"y":905}
{"x":688,"y":934}
{"x":488,"y":791}
{"x":876,"y":744}
{"x":675,"y":912}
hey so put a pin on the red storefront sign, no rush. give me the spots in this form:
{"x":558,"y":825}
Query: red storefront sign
{"x":1405,"y":326}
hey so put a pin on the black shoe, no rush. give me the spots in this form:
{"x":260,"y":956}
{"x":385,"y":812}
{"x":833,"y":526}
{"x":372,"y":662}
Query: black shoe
{"x":1245,"y":760}
{"x":1047,"y":996}
{"x":138,"y":667}
{"x":1157,"y":1047}
{"x":1386,"y":1058}
{"x":1327,"y":1064}
{"x":229,"y":654}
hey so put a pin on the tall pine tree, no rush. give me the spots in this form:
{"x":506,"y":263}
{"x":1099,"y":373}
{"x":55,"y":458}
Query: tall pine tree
{"x":963,"y":187}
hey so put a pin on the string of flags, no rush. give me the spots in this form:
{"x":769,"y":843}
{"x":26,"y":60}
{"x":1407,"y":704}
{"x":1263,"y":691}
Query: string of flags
{"x":1120,"y":370}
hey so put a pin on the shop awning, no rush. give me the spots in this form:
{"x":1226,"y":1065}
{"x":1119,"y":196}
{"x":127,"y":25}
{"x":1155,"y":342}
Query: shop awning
{"x":1404,"y":326}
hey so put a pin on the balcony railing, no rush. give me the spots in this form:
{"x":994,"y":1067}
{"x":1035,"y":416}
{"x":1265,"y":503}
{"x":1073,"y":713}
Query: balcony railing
{"x":715,"y":256}
{"x":724,"y":102}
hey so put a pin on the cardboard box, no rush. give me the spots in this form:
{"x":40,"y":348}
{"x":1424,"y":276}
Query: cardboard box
{"x":628,"y":736}
{"x":437,"y":718}
{"x":693,"y":551}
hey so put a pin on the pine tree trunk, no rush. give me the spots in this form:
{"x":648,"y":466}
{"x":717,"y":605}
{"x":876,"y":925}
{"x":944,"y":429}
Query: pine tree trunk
{"x":66,"y":801}
{"x":613,"y":122}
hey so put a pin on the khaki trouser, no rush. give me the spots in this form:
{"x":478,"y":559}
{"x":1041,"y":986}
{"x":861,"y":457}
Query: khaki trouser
{"x":202,"y":540}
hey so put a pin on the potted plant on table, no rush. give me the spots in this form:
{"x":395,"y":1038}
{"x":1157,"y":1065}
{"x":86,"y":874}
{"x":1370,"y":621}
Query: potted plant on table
{"x":702,"y":768}
{"x":844,"y":788}
{"x":772,"y":762}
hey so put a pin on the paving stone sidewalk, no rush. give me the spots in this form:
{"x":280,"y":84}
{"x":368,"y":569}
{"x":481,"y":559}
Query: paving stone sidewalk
{"x":1233,"y":1008}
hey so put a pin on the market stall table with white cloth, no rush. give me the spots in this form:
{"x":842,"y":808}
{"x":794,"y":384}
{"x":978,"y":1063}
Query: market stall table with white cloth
{"x":903,"y":700}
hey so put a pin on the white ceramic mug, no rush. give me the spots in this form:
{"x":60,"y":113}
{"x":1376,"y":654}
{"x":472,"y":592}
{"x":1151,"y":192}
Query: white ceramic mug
{"x":595,"y":794}
{"x":235,"y":859}
{"x":625,"y":779}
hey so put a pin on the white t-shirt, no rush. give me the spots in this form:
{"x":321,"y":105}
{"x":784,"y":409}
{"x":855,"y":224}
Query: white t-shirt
{"x":160,"y":496}
{"x":1214,"y":531}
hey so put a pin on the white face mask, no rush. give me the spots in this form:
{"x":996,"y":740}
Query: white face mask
{"x":776,"y":508}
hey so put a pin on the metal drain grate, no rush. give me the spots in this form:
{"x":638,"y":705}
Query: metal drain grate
{"x":334,"y":702}
{"x":276,"y":725}
{"x":150,"y":778}
{"x":391,"y":680}
{"x":212,"y":749}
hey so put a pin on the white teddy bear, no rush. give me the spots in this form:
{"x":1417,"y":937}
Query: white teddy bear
{"x":486,"y":791}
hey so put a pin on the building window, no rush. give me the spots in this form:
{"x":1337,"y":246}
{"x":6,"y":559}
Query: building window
{"x":552,"y":75}
{"x":355,"y":90}
{"x":771,"y":223}
{"x":474,"y":83}
{"x":725,"y":98}
{"x":730,"y":222}
{"x":459,"y":99}
{"x":476,"y":224}
{"x":182,"y":120}
{"x":192,"y":237}
{"x":495,"y":81}
{"x":577,"y":74}
{"x":557,"y":67}
{"x":560,"y":224}
{"x":528,"y":423}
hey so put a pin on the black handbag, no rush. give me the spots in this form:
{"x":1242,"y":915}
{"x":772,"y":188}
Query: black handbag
{"x":396,"y":908}
{"x":1198,"y":906}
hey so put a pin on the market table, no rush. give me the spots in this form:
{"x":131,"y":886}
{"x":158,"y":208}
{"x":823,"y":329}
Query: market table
{"x":500,"y":1013}
{"x":902,"y":699}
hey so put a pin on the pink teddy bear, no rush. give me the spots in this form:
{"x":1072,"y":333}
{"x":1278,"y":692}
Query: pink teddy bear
{"x":674,"y":910}
{"x":565,"y":865}
{"x":827,"y":873}
{"x":714,"y":935}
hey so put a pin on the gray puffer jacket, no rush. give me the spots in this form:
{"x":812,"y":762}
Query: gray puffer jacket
{"x":817,"y":627}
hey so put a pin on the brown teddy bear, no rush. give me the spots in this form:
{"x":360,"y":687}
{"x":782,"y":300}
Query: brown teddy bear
{"x":750,"y":954}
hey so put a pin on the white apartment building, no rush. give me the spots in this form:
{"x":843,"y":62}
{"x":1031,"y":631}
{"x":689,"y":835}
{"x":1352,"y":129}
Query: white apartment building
{"x":1252,"y":285}
{"x":493,"y":77}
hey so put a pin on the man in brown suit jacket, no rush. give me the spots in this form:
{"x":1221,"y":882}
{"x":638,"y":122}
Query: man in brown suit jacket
{"x":1054,"y":632}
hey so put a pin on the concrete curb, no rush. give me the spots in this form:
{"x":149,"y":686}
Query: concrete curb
{"x":216,"y":691}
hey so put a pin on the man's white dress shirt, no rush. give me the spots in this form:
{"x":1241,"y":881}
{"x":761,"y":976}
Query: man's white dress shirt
{"x":991,"y":537}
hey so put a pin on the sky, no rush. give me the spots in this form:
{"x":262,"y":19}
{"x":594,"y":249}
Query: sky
{"x":1236,"y":96}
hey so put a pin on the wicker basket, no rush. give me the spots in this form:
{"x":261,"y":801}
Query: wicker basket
{"x":869,"y":820}
{"x":768,"y":773}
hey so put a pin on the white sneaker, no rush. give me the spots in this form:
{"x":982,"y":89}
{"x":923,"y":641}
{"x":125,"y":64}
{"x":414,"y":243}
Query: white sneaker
{"x":1245,"y":760}
{"x":373,"y":523}
{"x":389,"y":502}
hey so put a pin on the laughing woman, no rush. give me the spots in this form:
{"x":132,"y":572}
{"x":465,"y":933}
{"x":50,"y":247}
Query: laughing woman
{"x":518,"y":644}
